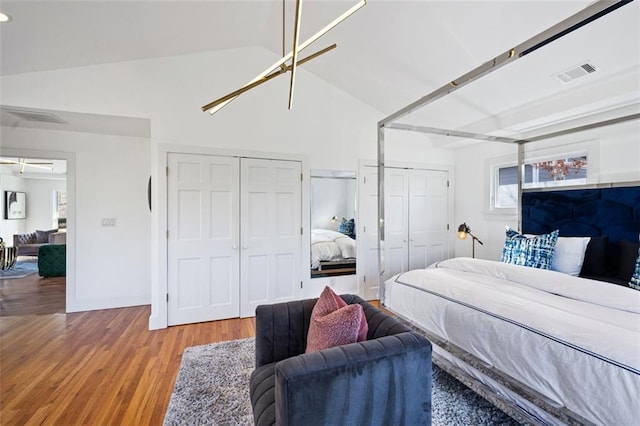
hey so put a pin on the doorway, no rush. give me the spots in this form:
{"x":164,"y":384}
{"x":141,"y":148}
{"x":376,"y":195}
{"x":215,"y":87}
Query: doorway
{"x":26,"y":286}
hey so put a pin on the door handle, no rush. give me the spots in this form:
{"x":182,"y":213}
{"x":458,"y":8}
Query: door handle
{"x":234,"y":247}
{"x":244,"y":247}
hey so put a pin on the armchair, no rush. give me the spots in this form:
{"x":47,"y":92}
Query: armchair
{"x":383,"y":380}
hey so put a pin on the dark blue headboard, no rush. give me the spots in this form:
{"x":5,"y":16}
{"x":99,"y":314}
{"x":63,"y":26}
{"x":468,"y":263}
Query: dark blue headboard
{"x":584,"y":212}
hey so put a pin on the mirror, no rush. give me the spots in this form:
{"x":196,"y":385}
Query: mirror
{"x":333,"y":212}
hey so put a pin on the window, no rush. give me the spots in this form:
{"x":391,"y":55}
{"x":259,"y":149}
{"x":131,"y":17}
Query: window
{"x":61,"y":209}
{"x":566,"y":171}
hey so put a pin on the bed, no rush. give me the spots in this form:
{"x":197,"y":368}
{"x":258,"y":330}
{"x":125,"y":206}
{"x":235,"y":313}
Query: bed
{"x":574,"y":342}
{"x":546,"y":346}
{"x":332,"y":253}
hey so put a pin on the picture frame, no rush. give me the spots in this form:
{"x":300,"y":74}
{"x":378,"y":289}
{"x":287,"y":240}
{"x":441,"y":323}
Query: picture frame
{"x":15,"y":205}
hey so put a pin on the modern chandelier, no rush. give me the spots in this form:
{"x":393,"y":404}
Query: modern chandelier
{"x":281,"y":67}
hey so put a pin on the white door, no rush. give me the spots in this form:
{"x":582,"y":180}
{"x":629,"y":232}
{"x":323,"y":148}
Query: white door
{"x":396,"y":221}
{"x":271,"y":232}
{"x":203,"y":222}
{"x":429,"y":236}
{"x":367,"y":235}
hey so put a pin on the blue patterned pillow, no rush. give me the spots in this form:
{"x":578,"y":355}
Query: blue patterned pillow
{"x":635,"y":279}
{"x":348,"y":227}
{"x":536,"y":251}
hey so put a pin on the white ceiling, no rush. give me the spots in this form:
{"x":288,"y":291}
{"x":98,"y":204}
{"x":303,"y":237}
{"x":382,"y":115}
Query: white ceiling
{"x":390,"y":53}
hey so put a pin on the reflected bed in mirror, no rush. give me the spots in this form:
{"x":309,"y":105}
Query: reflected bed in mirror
{"x":333,"y":211}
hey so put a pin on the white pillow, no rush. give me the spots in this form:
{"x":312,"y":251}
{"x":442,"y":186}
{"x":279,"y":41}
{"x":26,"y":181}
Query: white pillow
{"x":569,"y":254}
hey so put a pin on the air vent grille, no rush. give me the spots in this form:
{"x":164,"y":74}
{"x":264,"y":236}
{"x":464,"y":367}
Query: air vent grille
{"x":41,"y":117}
{"x":575,"y":73}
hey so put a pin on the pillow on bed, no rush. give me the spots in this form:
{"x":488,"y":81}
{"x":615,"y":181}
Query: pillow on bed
{"x":568,"y":254}
{"x":635,"y":279}
{"x":595,"y":257}
{"x":626,"y":259}
{"x":334,"y":322}
{"x":535,"y":252}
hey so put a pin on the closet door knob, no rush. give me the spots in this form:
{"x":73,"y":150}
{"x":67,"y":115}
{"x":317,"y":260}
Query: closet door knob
{"x":234,"y":248}
{"x":244,"y":247}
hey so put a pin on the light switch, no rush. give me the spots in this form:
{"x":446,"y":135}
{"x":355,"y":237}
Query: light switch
{"x":108,"y":221}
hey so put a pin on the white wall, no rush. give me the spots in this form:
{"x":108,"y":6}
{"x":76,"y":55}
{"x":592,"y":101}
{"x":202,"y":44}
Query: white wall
{"x":13,"y":226}
{"x":40,"y":202}
{"x":327,"y":126}
{"x":613,"y":156}
{"x":107,"y":267}
{"x":332,"y":197}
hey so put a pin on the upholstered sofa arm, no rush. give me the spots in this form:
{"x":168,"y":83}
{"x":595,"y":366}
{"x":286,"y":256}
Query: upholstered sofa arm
{"x":281,"y":330}
{"x":383,"y":381}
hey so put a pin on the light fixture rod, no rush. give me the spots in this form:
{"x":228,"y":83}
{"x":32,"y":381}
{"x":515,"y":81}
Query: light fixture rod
{"x":285,"y":58}
{"x":264,"y":79}
{"x":294,"y":54}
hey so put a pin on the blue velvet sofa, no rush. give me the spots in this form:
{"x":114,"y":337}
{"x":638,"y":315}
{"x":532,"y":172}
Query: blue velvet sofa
{"x":385,"y":380}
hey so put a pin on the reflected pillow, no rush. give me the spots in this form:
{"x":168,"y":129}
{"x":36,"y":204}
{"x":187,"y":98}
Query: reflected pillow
{"x":535,"y":252}
{"x":348,"y":227}
{"x":568,"y":254}
{"x":335,"y":323}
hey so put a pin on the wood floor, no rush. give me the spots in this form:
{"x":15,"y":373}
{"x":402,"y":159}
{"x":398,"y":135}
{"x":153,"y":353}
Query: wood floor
{"x":32,"y":295}
{"x":96,"y":368}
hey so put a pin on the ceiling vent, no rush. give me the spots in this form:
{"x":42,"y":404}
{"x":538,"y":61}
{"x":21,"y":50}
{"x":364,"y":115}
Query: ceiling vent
{"x":41,"y":117}
{"x":574,"y":73}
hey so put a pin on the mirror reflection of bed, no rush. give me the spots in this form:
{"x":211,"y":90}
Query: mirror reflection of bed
{"x":333,"y":212}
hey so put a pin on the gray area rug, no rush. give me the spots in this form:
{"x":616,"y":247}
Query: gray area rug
{"x":212,"y":388}
{"x":21,"y":269}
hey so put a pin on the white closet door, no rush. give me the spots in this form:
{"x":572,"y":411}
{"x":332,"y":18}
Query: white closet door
{"x":396,"y":221}
{"x":367,"y":235}
{"x":203,"y":253}
{"x":429,"y":238}
{"x":271,"y":239}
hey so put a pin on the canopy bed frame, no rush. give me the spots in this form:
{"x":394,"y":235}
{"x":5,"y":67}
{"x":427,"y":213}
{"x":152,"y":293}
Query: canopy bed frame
{"x":522,"y":402}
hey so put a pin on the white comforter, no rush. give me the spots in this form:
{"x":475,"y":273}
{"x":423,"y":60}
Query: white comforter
{"x":327,"y":245}
{"x":576,"y":341}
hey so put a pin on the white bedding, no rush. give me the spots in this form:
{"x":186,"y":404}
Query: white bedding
{"x":327,"y":245}
{"x":576,"y":341}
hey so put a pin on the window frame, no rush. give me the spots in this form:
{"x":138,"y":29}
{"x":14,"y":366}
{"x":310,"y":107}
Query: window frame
{"x":494,"y":166}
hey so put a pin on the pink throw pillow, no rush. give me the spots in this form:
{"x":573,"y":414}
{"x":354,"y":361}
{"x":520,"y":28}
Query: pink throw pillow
{"x":334,"y":323}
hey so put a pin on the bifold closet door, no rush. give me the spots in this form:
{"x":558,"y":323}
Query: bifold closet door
{"x":429,"y":238}
{"x":271,"y":228}
{"x":416,"y":219}
{"x":396,"y":221}
{"x":203,"y":238}
{"x":367,"y":242}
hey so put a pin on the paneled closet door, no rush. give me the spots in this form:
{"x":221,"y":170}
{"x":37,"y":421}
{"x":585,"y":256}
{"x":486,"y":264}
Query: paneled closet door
{"x":429,"y":238}
{"x":203,"y":222}
{"x":396,"y":221}
{"x":271,"y":240}
{"x":367,"y":242}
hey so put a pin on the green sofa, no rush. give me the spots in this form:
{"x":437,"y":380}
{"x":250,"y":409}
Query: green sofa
{"x":52,"y":260}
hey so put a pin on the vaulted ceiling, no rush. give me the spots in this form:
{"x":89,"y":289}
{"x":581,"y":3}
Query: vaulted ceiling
{"x":389,"y":53}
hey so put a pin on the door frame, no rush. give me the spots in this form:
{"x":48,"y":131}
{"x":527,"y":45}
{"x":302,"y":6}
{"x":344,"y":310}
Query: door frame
{"x":70,"y":158}
{"x":159,"y":221}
